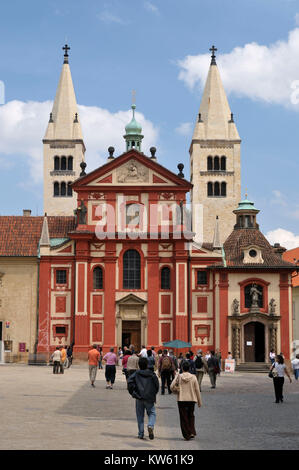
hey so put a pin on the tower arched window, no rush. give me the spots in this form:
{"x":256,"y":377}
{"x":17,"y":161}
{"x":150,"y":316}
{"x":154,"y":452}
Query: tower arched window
{"x":56,"y":189}
{"x":63,"y":189}
{"x":131,"y":270}
{"x":98,"y":278}
{"x":69,"y":189}
{"x":70,"y":163}
{"x":210,"y":189}
{"x":216,"y":189}
{"x":63,"y":163}
{"x":165,"y":278}
{"x":216,"y":163}
{"x":223,"y":163}
{"x":223,"y":189}
{"x":210,"y":163}
{"x":56,"y":163}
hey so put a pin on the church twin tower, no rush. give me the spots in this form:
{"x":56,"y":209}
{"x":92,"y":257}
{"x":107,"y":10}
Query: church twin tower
{"x":214,"y":157}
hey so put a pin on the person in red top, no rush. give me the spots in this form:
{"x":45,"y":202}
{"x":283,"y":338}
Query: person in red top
{"x":127,"y":354}
{"x":93,"y":361}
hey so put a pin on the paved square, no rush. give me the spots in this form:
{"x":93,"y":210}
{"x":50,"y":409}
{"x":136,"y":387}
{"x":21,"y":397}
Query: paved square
{"x":45,"y":411}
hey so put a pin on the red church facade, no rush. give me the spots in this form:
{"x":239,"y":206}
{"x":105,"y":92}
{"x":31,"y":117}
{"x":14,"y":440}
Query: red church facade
{"x":129,"y":272}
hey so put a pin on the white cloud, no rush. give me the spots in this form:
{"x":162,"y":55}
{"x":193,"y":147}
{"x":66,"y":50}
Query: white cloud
{"x":23,"y":125}
{"x":108,"y":18}
{"x":185,"y":128}
{"x":259,"y":72}
{"x":151,"y":7}
{"x":287,"y":239}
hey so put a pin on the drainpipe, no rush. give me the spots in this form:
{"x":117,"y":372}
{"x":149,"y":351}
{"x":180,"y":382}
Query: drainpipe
{"x":74,"y":296}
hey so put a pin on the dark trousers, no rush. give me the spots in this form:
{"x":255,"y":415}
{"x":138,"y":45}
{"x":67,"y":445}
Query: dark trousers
{"x":186,"y":411}
{"x":165,"y":378}
{"x":278,"y":387}
{"x":56,"y":367}
{"x":110,"y":372}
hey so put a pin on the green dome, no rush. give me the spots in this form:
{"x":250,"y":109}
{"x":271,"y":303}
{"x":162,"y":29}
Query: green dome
{"x":133,"y":127}
{"x":246,"y":205}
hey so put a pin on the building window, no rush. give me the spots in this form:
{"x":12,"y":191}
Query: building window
{"x":216,"y":189}
{"x":223,"y":163}
{"x":69,"y":189}
{"x":60,"y":330}
{"x":165,"y":278}
{"x":70,"y":163}
{"x":248,"y":295}
{"x":63,"y":163}
{"x":131,"y":270}
{"x":56,"y":189}
{"x":223,"y":189}
{"x":210,"y":189}
{"x":202,"y":278}
{"x":61,"y":276}
{"x":56,"y":163}
{"x":63,"y":189}
{"x":98,"y":278}
{"x":216,"y":164}
{"x":210,"y":163}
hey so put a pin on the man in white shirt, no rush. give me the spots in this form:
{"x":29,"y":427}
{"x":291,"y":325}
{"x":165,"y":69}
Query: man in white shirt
{"x":143,"y":352}
{"x":56,"y":358}
{"x":295,"y":365}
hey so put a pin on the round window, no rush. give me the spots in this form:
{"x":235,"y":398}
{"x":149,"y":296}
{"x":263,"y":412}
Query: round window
{"x":252,"y":253}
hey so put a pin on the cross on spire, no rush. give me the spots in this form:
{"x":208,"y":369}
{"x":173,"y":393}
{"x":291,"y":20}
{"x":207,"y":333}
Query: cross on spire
{"x":213,"y":49}
{"x":65,"y":49}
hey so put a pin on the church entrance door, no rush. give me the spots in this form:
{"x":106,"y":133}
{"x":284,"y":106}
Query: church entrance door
{"x":131,"y":334}
{"x":254,"y":342}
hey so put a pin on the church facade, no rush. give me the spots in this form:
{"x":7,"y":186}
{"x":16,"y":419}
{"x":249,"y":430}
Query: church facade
{"x":127,"y":263}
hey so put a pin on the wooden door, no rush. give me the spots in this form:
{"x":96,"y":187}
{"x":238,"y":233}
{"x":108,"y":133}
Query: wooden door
{"x":249,"y":342}
{"x":132,"y":329}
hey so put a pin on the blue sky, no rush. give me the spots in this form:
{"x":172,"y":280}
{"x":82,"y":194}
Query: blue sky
{"x":117,"y":46}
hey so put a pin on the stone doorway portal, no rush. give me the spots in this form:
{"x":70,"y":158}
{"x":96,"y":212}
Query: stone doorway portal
{"x":131,"y":334}
{"x":254,"y":342}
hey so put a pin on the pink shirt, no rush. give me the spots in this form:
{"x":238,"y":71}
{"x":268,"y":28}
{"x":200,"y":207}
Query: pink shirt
{"x":110,"y":358}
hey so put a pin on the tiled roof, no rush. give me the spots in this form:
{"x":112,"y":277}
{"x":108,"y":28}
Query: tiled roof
{"x":20,"y":235}
{"x":292,"y":256}
{"x":240,"y":239}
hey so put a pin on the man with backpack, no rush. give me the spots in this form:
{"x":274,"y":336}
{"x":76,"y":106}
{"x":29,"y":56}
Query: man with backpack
{"x":192,"y":369}
{"x":165,"y":369}
{"x":201,"y":367}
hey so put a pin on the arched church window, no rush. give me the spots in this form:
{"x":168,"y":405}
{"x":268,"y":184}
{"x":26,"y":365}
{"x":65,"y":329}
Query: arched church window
{"x":56,"y":163}
{"x":223,"y":163}
{"x":216,"y":189}
{"x":70,"y":163}
{"x":98,"y":278}
{"x":63,"y":189}
{"x":69,"y":189}
{"x":216,"y":163}
{"x":210,"y":189}
{"x":249,"y":295}
{"x":223,"y":189}
{"x":165,"y":278}
{"x":63,"y":163}
{"x":131,"y":270}
{"x":210,"y":163}
{"x":56,"y":189}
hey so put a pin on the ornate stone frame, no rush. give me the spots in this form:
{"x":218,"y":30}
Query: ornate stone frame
{"x":132,"y":308}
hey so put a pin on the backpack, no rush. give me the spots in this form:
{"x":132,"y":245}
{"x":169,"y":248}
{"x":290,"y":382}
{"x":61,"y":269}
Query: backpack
{"x":198,"y":362}
{"x":166,"y":363}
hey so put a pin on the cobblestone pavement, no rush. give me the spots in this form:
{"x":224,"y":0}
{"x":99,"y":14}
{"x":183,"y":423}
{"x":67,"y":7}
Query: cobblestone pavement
{"x":40,"y":410}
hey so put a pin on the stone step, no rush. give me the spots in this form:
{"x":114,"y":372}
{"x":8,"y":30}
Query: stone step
{"x":261,"y":367}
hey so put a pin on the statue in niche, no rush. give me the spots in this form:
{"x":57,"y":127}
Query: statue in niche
{"x":272,"y":307}
{"x":82,"y":211}
{"x":235,"y":307}
{"x":254,"y":293}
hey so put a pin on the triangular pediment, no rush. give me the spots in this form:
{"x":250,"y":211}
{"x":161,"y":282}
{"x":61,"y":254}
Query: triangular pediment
{"x":131,"y":169}
{"x":131,"y":299}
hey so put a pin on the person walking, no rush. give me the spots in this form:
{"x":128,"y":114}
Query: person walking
{"x":188,"y":393}
{"x":201,"y":367}
{"x":93,"y":360}
{"x":272,"y":356}
{"x":69,"y":354}
{"x":143,"y":352}
{"x":100,"y":349}
{"x":278,"y":377}
{"x":151,"y":360}
{"x":165,"y":369}
{"x":143,"y":385}
{"x":175,"y":364}
{"x":63,"y":358}
{"x":132,"y":364}
{"x":295,"y":366}
{"x":110,"y":371}
{"x":56,"y":358}
{"x":213,"y":368}
{"x":218,"y":357}
{"x":127,"y":354}
{"x":192,"y":368}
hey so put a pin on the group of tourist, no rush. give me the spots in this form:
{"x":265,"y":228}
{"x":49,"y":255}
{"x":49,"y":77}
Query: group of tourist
{"x":62,"y":357}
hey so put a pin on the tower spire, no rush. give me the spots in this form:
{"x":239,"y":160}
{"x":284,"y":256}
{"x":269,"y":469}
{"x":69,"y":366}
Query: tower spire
{"x":66,"y":56}
{"x":133,"y":136}
{"x":213,"y":49}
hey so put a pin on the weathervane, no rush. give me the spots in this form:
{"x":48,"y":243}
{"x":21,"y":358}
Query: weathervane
{"x":65,"y":49}
{"x":213,"y":50}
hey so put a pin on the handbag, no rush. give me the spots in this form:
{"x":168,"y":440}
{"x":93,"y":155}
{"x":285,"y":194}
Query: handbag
{"x":272,"y":373}
{"x":176,"y":385}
